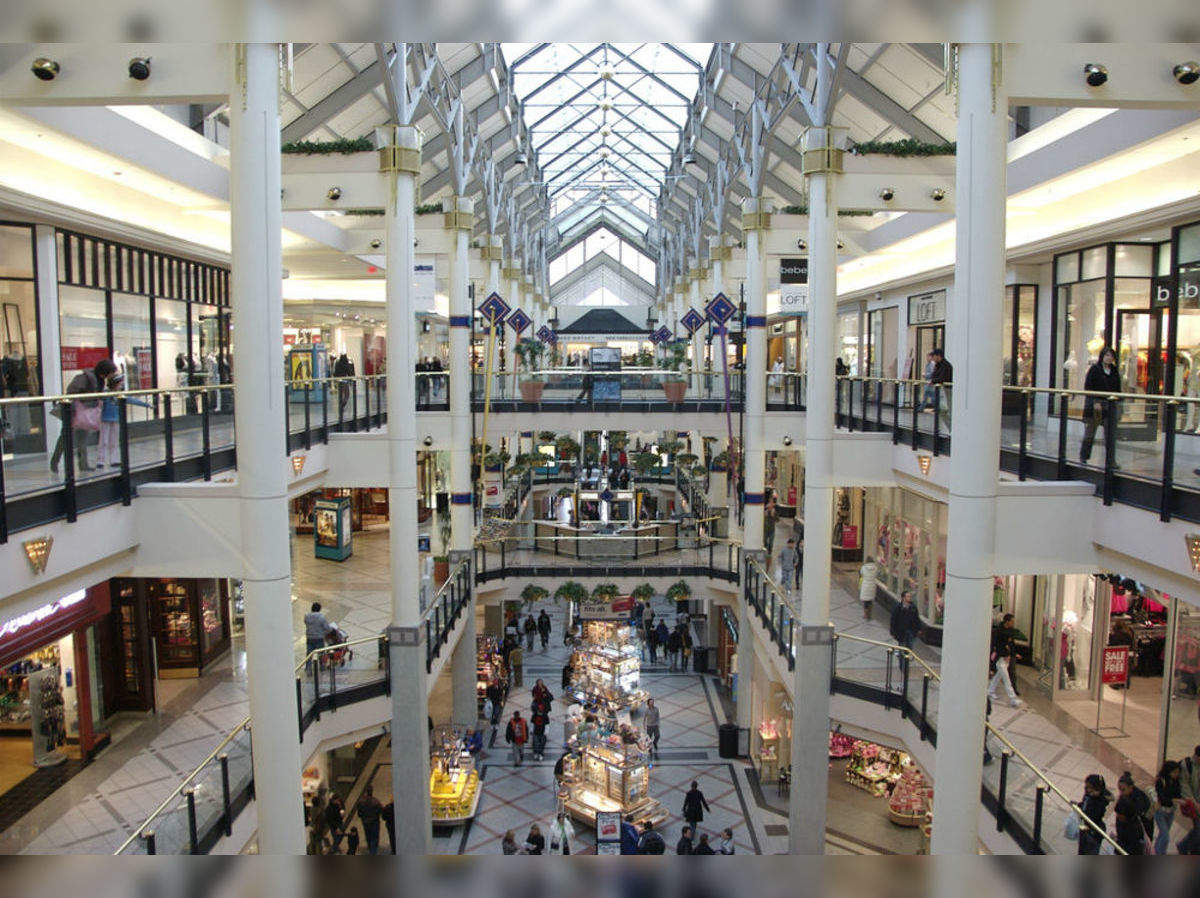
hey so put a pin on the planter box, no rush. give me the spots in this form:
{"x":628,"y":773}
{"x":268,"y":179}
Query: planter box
{"x":531,"y":390}
{"x":674,"y":390}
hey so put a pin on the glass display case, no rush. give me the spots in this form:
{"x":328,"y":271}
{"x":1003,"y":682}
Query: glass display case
{"x":609,"y":676}
{"x":453,"y":780}
{"x":608,"y":773}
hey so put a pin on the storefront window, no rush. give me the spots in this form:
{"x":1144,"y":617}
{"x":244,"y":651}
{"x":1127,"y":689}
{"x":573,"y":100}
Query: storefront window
{"x":908,"y":542}
{"x":83,"y":328}
{"x":848,"y":339}
{"x":170,"y":318}
{"x":131,"y":347}
{"x":1183,"y":721}
{"x":1078,"y":625}
{"x":1020,"y":325}
{"x":883,"y":330}
{"x":19,"y":371}
{"x":1081,"y":333}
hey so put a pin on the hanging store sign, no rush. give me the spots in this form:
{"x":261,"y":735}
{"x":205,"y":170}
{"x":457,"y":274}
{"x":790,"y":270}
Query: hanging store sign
{"x":793,"y":271}
{"x":793,"y":299}
{"x":26,"y":632}
{"x":424,"y":284}
{"x":1114,"y":668}
{"x":927,"y":308}
{"x":616,"y":610}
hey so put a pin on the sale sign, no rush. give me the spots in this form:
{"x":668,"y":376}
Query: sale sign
{"x":78,"y":358}
{"x":1114,"y":669}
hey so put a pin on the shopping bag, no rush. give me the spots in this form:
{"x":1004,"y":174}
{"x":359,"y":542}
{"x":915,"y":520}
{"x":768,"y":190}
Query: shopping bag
{"x":1071,"y":830}
{"x":1106,"y":847}
{"x":85,"y":417}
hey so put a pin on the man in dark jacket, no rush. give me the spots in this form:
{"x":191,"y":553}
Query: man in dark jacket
{"x":543,"y":625}
{"x":1102,"y":377}
{"x":651,"y":841}
{"x":343,"y":367}
{"x":942,"y":376}
{"x":684,"y":845}
{"x":694,"y":805}
{"x":1003,"y":652}
{"x":906,"y":623}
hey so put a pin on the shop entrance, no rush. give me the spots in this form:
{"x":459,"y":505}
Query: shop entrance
{"x":1140,"y":360}
{"x":929,"y":338}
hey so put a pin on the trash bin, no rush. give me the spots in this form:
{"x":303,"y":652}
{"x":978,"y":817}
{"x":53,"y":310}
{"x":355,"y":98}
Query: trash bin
{"x":727,"y":740}
{"x":700,"y":660}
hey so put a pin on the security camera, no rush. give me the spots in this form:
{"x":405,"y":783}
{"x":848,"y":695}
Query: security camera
{"x":887,"y":194}
{"x":787,"y":441}
{"x":334,"y":193}
{"x":376,"y":243}
{"x":45,"y":69}
{"x":428,"y":441}
{"x":139,"y":68}
{"x":1187,"y":72}
{"x":1095,"y":74}
{"x":937,"y":194}
{"x":801,"y":245}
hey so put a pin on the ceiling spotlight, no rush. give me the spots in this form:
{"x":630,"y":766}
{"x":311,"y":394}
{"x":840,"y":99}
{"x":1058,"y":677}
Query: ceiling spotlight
{"x":376,"y":243}
{"x":937,"y":194}
{"x":45,"y":69}
{"x":1187,"y":72}
{"x":139,"y":68}
{"x":887,"y":194}
{"x":841,"y":244}
{"x":801,"y":244}
{"x":605,"y":105}
{"x":787,"y":441}
{"x":1095,"y":74}
{"x":520,"y":158}
{"x":334,"y":193}
{"x":428,"y":441}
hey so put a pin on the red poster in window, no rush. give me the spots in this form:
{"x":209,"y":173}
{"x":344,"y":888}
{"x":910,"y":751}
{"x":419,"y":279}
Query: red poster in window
{"x":145,"y":367}
{"x":78,"y":358}
{"x":850,"y":536}
{"x":1114,"y":668}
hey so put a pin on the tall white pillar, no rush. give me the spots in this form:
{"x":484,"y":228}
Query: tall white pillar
{"x":756,"y":221}
{"x":49,"y":334}
{"x":974,"y":320}
{"x":810,"y":717}
{"x":696,"y":301}
{"x":410,"y":737}
{"x":257,"y":263}
{"x":461,"y":520}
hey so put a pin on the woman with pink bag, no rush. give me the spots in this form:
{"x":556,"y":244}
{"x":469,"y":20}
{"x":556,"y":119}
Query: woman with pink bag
{"x":85,"y":413}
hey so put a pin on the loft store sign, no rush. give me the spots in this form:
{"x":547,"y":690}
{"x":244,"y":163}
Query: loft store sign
{"x":37,"y":615}
{"x":927,"y":308}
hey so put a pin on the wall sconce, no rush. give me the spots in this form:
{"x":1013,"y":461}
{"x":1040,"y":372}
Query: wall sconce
{"x":1193,"y":548}
{"x":924,"y":462}
{"x":298,"y":464}
{"x":37,"y":550}
{"x":787,"y":441}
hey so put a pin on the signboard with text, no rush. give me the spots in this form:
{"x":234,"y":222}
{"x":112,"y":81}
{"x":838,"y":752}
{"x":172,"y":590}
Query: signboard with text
{"x":79,"y":358}
{"x":793,"y":271}
{"x":1114,"y":667}
{"x":927,"y":308}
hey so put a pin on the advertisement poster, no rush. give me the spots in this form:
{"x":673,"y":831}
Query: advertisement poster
{"x":145,"y":367}
{"x":325,"y":521}
{"x":77,"y":358}
{"x":1114,"y":669}
{"x":850,"y":536}
{"x":300,"y":365}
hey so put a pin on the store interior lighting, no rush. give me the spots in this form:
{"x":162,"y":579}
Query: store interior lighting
{"x":1193,"y":550}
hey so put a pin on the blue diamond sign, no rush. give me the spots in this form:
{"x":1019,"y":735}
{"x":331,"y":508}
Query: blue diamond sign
{"x":544,"y":334}
{"x":607,"y":495}
{"x":494,"y":309}
{"x":692,"y":320}
{"x":653,"y":338}
{"x":663,"y":334}
{"x":519,"y":321}
{"x":720,"y":309}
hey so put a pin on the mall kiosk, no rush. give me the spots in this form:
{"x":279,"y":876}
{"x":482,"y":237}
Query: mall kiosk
{"x":607,"y":665}
{"x":453,"y":780}
{"x":606,"y":774}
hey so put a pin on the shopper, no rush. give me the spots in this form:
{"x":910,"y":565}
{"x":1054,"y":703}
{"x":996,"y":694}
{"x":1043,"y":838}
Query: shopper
{"x":868,"y":583}
{"x":941,"y":377}
{"x":1131,"y":810}
{"x":1190,"y":844}
{"x":508,"y":845}
{"x":585,"y":390}
{"x":927,"y":400}
{"x":516,"y":735}
{"x":703,"y":847}
{"x":531,"y":629}
{"x":1189,"y":776}
{"x":1002,"y":657}
{"x":539,"y":718}
{"x":1167,"y":790}
{"x":651,"y":841}
{"x":906,"y":622}
{"x":473,"y":742}
{"x":725,"y":845}
{"x":316,"y":628}
{"x":675,"y":646}
{"x":370,"y":812}
{"x":685,"y":651}
{"x":1096,"y":799}
{"x":495,"y":695}
{"x":694,"y":805}
{"x":108,"y":454}
{"x":770,"y":514}
{"x":629,"y":837}
{"x":535,"y":842}
{"x":652,"y":640}
{"x":662,"y":634}
{"x":788,"y":559}
{"x":1102,"y":377}
{"x":562,"y":832}
{"x":389,"y":822}
{"x":541,"y":693}
{"x":352,"y":840}
{"x":650,"y":720}
{"x":335,"y":820}
{"x":568,"y":673}
{"x":82,"y":412}
{"x":543,"y":626}
{"x":684,"y":845}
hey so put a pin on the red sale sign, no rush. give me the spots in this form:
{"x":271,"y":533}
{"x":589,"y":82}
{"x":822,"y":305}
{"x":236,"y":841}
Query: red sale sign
{"x":1114,"y":668}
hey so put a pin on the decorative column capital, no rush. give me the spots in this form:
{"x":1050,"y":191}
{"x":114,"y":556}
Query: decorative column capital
{"x":822,"y":150}
{"x":756,"y":214}
{"x":492,"y":249}
{"x":399,"y":148}
{"x":459,"y":213}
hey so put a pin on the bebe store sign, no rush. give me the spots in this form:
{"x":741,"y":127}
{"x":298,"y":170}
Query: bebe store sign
{"x":1189,"y":290}
{"x":793,"y":286}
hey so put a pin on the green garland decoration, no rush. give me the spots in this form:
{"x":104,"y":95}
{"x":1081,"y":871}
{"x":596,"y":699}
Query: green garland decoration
{"x":342,"y":145}
{"x":909,"y":146}
{"x":427,"y":209}
{"x":803,"y":210}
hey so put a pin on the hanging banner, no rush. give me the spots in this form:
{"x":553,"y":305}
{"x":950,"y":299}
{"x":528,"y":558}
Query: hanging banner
{"x":692,"y":320}
{"x":424,"y":283}
{"x":519,"y":321}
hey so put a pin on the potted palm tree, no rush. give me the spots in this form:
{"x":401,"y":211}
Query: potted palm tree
{"x":679,"y":592}
{"x":533,"y":593}
{"x":606,"y":592}
{"x":674,"y":384}
{"x":644,"y":462}
{"x":571,"y":592}
{"x":529,"y":353}
{"x":643,"y":592}
{"x":566,"y":449}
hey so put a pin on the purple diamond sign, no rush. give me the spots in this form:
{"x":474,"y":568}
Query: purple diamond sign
{"x":663,"y":334}
{"x":494,"y":309}
{"x":544,"y":334}
{"x":692,"y":320}
{"x":519,"y":321}
{"x":720,"y":309}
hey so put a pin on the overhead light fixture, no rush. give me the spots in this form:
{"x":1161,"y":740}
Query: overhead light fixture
{"x":1193,"y":549}
{"x":298,"y":464}
{"x":1095,"y":74}
{"x":37,"y":552}
{"x":923,"y":462}
{"x":520,"y":158}
{"x":937,"y":194}
{"x":428,"y":441}
{"x":801,"y":244}
{"x":787,"y":441}
{"x":605,"y":104}
{"x":334,"y":193}
{"x":45,"y":69}
{"x":139,"y":68}
{"x":887,"y":194}
{"x":376,"y":243}
{"x":1187,"y":72}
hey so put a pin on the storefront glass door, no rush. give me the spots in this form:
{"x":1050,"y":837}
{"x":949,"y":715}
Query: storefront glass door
{"x":1140,"y":361}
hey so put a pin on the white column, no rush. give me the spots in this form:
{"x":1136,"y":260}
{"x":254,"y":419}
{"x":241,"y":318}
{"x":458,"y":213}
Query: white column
{"x":461,"y":520}
{"x":974,"y":319}
{"x":49,"y":336}
{"x":257,"y":263}
{"x":745,"y":667}
{"x":755,"y":373}
{"x":810,"y":717}
{"x":696,"y":301}
{"x":410,"y":738}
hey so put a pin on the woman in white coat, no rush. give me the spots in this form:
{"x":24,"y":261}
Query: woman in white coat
{"x":867,"y":584}
{"x":562,"y":834}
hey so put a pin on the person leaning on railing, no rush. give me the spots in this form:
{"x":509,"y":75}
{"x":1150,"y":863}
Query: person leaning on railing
{"x":85,"y":382}
{"x":1102,"y":377}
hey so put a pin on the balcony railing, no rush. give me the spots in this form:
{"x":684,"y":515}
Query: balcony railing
{"x":1023,"y":800}
{"x":630,"y":389}
{"x":202,"y":808}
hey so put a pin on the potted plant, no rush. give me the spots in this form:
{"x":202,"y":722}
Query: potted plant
{"x":533,"y":593}
{"x":564,"y":492}
{"x":674,"y":384}
{"x":606,"y":592}
{"x":644,"y":462}
{"x":643,"y":592}
{"x":645,"y":358}
{"x":546,"y":436}
{"x":720,"y":462}
{"x":441,"y":569}
{"x":529,"y":353}
{"x":679,"y":592}
{"x":566,"y":449}
{"x":495,"y":461}
{"x":571,"y":592}
{"x":685,"y":460}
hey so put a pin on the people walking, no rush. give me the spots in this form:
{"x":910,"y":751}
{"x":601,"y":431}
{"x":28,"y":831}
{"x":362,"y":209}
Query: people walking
{"x":1094,"y":805}
{"x":650,"y":720}
{"x":694,"y":805}
{"x":83,"y":414}
{"x":675,"y":646}
{"x":1132,"y":811}
{"x":868,"y":583}
{"x":541,"y":693}
{"x":316,"y":628}
{"x":906,"y":622}
{"x":562,"y":832}
{"x":1167,"y":790}
{"x":663,"y":634}
{"x":1102,"y":377}
{"x":1002,"y":657}
{"x":543,"y":626}
{"x":788,"y":559}
{"x":531,"y":629}
{"x":516,"y":734}
{"x":652,"y":640}
{"x":651,"y":841}
{"x":370,"y":812}
{"x":770,"y":514}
